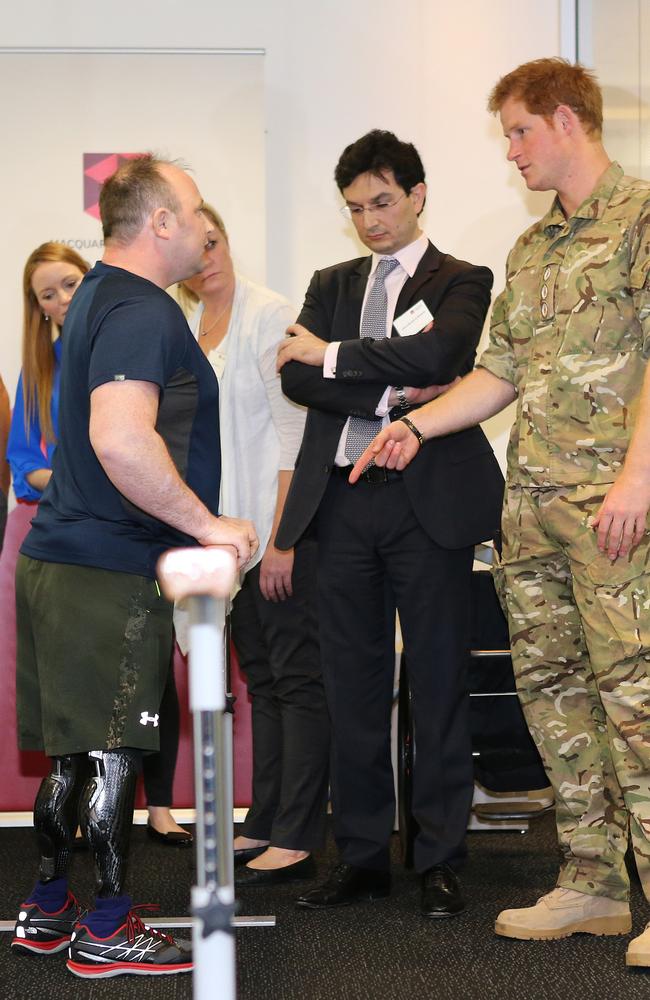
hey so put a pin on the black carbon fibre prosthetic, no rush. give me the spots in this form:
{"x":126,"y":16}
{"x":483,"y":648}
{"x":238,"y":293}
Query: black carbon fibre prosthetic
{"x":106,"y":814}
{"x":55,"y":813}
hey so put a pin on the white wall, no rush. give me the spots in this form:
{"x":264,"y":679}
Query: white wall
{"x":94,"y":91}
{"x":615,"y":38}
{"x":333,"y":70}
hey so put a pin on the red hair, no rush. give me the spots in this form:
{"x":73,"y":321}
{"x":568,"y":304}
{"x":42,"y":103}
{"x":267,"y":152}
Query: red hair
{"x":543,"y":84}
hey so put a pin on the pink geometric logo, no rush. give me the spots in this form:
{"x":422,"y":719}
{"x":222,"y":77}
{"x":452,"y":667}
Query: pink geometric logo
{"x":97,"y":167}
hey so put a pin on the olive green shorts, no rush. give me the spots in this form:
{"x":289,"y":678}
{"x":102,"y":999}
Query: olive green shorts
{"x":93,"y":654}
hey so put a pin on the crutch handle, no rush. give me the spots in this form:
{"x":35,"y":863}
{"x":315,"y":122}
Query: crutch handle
{"x":209,"y":570}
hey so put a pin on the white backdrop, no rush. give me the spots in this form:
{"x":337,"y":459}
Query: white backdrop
{"x":206,"y":109}
{"x":331,"y":72}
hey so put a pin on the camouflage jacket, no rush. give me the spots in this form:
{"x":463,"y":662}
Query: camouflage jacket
{"x":571,"y":332}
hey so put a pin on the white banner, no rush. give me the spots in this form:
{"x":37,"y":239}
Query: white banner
{"x":57,"y":108}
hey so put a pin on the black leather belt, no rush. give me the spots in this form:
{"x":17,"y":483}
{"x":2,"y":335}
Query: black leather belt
{"x":374,"y":475}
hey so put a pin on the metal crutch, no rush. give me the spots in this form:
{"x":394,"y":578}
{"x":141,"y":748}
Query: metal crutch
{"x":205,"y":576}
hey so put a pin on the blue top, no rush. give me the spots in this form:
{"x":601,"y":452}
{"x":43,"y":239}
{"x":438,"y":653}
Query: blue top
{"x":28,"y":452}
{"x":121,"y":326}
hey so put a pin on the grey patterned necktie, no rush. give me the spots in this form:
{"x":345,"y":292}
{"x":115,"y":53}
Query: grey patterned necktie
{"x":373,"y":324}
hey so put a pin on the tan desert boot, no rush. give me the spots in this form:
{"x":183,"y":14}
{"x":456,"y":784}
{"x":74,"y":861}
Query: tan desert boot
{"x":638,"y":950}
{"x":563,"y":912}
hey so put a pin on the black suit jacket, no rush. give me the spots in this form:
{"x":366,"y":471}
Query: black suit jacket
{"x":454,"y":483}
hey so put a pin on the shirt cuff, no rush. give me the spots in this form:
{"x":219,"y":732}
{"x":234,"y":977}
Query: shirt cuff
{"x":329,"y":361}
{"x":382,"y":406}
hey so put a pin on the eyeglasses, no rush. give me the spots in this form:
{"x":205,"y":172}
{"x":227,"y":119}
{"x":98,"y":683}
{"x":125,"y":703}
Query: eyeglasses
{"x":379,"y":208}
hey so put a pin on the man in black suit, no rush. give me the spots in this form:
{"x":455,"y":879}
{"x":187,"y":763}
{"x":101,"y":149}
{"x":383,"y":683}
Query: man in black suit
{"x":380,"y":335}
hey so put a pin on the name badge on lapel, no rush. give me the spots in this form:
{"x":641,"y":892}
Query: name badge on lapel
{"x":413,"y":320}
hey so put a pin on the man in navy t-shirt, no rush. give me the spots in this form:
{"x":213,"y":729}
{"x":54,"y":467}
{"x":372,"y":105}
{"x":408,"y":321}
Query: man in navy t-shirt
{"x":136,"y":471}
{"x":120,"y":327}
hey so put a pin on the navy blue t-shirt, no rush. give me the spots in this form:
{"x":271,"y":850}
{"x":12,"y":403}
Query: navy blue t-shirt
{"x":121,"y":326}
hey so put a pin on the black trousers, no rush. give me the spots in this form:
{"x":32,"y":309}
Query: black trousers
{"x":374,"y":557}
{"x":278,"y":651}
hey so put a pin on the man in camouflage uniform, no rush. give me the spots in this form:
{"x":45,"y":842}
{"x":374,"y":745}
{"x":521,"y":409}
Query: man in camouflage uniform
{"x":570,"y":339}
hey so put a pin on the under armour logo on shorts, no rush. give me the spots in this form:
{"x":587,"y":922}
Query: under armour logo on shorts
{"x":145,"y":719}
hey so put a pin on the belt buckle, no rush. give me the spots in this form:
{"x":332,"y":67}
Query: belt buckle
{"x":375,"y":475}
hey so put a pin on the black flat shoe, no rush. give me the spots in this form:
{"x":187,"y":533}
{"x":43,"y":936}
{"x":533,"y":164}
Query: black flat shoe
{"x":347,"y":884}
{"x":244,"y":854}
{"x":441,"y":893}
{"x":306,"y":868}
{"x":171,"y":839}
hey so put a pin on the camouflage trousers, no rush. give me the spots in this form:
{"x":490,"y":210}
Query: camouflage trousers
{"x":580,"y":635}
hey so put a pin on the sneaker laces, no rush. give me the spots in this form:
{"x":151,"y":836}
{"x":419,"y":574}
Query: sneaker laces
{"x":82,"y":910}
{"x":69,"y":899}
{"x":135,"y":925}
{"x":75,"y":902}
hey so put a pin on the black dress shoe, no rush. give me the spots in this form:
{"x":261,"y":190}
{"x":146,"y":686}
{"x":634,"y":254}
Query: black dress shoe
{"x":172,"y":839}
{"x":441,"y":894}
{"x":305,"y":868}
{"x":244,"y":854}
{"x":347,"y":884}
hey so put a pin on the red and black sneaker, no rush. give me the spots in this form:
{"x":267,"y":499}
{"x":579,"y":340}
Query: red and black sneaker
{"x":133,"y":949}
{"x":40,"y":933}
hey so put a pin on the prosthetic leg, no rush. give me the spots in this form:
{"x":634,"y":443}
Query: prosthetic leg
{"x":55,"y":814}
{"x":101,"y":803}
{"x":46,"y":919}
{"x":106,"y":815}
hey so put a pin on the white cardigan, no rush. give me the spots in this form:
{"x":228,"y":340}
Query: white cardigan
{"x":261,"y":430}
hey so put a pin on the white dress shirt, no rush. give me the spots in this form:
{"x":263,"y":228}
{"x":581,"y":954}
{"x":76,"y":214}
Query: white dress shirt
{"x":409,"y":257}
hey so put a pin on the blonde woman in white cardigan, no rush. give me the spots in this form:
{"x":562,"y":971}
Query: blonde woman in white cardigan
{"x":274,"y":626}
